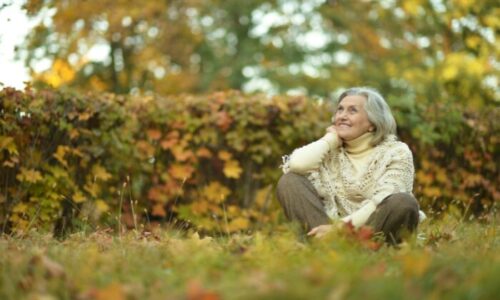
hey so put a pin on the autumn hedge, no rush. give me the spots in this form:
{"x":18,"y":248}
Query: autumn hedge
{"x":209,"y":161}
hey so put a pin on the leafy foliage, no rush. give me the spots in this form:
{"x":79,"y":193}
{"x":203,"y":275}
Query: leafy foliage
{"x":209,"y":160}
{"x":416,"y":51}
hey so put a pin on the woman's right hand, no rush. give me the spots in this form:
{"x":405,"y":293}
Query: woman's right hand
{"x":332,"y":130}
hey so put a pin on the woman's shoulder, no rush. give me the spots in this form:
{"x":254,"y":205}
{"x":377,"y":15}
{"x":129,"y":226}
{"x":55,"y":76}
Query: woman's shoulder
{"x":392,"y":145}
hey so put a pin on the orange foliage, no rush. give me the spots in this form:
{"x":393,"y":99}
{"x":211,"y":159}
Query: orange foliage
{"x":170,"y":157}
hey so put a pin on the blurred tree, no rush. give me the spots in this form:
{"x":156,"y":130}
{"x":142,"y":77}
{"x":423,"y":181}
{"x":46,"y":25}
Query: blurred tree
{"x":113,"y":45}
{"x":426,"y":50}
{"x":169,"y":46}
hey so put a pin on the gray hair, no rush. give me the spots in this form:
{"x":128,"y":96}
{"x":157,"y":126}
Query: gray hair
{"x":379,"y":113}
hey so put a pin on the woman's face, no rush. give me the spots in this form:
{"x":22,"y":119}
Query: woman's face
{"x":351,"y":120}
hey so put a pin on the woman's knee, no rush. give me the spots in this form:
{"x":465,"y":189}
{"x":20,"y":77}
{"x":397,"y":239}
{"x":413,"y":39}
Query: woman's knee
{"x":287,"y":181}
{"x":403,"y":201}
{"x":401,"y":215}
{"x":403,"y":206}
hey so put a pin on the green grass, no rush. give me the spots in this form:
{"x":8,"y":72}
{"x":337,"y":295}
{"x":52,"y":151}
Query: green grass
{"x":455,"y":261}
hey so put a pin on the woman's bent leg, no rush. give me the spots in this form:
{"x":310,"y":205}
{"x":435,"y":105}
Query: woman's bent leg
{"x":300,"y":201}
{"x":397,"y":214}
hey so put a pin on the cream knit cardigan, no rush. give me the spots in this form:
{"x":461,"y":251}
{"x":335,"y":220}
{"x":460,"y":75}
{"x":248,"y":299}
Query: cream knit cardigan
{"x":353,"y":183}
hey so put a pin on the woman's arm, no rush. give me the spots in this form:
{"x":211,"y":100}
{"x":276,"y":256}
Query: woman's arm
{"x":397,"y":177}
{"x":360,"y":216}
{"x":309,"y":157}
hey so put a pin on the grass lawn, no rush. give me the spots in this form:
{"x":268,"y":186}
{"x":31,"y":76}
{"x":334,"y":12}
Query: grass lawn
{"x":449,"y":260}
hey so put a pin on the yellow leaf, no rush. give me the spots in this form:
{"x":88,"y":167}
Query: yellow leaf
{"x":74,"y":133}
{"x":92,"y":188}
{"x":199,"y":207}
{"x":84,"y":116}
{"x":60,"y":153}
{"x":411,"y":7}
{"x":441,"y":176}
{"x":473,"y":41}
{"x":239,"y":223}
{"x":14,"y":160}
{"x":100,"y":173}
{"x":232,"y":169}
{"x":31,"y":176}
{"x":233,"y":210}
{"x":101,"y":206}
{"x":464,"y":4}
{"x":78,"y":197}
{"x":181,"y":172}
{"x":7,"y":142}
{"x":450,"y":72}
{"x":432,"y":192}
{"x":60,"y":73}
{"x":180,"y":153}
{"x":20,"y":208}
{"x":492,"y":21}
{"x":424,"y":177}
{"x":215,"y":192}
{"x":262,"y":195}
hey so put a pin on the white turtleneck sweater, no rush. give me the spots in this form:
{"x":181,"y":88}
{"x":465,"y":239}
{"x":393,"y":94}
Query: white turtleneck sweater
{"x":354,"y":177}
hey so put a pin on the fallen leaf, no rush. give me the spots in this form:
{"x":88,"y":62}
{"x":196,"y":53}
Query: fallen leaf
{"x":195,"y":291}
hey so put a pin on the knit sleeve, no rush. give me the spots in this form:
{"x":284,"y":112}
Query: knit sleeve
{"x":398,"y":173}
{"x":360,"y":216}
{"x":310,"y":156}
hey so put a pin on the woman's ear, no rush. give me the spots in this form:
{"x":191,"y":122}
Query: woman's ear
{"x":371,"y":128}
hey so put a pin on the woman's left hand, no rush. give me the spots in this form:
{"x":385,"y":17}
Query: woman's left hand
{"x":320,"y":231}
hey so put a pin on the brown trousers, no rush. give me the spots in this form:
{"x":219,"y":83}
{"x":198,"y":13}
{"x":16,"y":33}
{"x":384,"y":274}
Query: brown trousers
{"x":396,"y":214}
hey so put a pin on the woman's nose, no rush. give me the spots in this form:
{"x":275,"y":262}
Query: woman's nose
{"x":341,"y":115}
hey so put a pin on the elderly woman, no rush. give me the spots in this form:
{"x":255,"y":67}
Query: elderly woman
{"x":358,"y":172}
